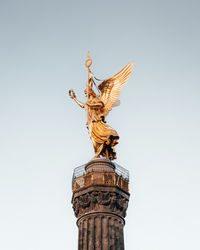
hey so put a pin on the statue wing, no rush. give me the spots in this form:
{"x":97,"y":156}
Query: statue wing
{"x":110,"y":88}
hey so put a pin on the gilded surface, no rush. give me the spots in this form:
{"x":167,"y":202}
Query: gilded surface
{"x":97,"y":107}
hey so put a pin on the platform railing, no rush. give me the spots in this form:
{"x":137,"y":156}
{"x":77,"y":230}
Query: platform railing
{"x":119,"y":178}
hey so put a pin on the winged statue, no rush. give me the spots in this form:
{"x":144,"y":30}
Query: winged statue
{"x":97,"y":107}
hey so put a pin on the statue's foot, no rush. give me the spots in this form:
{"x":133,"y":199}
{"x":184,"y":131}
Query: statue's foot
{"x":97,"y":156}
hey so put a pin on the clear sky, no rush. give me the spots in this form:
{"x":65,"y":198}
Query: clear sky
{"x":43,"y":135}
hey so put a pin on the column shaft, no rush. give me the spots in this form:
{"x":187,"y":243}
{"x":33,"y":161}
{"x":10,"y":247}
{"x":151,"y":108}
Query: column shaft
{"x":101,"y":232}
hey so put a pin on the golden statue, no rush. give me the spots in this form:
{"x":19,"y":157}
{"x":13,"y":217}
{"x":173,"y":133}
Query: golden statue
{"x":103,"y":137}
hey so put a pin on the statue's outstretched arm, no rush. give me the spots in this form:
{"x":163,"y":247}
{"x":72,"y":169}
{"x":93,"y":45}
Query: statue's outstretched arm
{"x":73,"y":96}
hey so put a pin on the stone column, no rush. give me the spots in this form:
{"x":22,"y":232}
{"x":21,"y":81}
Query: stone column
{"x":100,"y":200}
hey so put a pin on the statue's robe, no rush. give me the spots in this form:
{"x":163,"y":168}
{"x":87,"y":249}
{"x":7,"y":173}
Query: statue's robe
{"x":100,"y":132}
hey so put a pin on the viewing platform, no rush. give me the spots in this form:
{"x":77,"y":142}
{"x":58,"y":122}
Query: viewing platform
{"x":100,"y":172}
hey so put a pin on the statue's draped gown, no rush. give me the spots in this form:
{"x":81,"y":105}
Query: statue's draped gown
{"x":102,"y":135}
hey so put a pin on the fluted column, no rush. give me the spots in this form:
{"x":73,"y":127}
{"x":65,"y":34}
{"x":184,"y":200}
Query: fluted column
{"x":100,"y":208}
{"x":100,"y":232}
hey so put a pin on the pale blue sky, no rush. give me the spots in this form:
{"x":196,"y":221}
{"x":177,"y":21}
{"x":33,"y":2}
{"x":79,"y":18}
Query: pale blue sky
{"x":43,"y":135}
